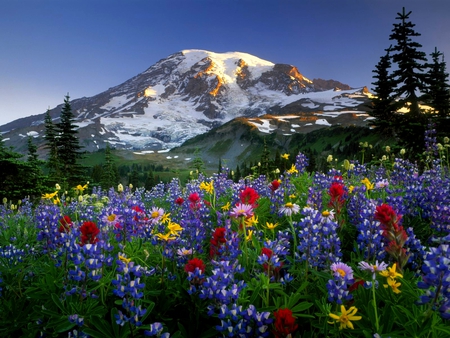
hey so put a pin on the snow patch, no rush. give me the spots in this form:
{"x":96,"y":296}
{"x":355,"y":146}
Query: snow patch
{"x":323,"y":122}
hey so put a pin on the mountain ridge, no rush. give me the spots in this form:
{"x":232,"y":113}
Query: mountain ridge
{"x":183,"y":95}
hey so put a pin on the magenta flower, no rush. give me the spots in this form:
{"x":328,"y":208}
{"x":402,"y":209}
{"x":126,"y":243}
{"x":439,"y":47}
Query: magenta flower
{"x":241,"y":209}
{"x":374,"y":268}
{"x":342,"y":270}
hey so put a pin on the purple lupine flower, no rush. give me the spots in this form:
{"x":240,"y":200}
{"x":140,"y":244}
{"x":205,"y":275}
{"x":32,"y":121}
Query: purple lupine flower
{"x":235,"y":321}
{"x":128,"y":287}
{"x":338,"y":285}
{"x":361,"y":212}
{"x":436,"y":279}
{"x":156,"y":329}
{"x":301,"y":162}
{"x":319,"y":244}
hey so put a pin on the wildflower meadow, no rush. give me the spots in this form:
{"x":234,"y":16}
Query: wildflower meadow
{"x":361,"y":250}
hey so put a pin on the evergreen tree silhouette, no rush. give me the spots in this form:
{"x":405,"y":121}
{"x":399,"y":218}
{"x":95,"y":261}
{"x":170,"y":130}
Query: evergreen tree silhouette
{"x":69,"y":150}
{"x":438,"y":93}
{"x":383,"y":104}
{"x":408,"y":78}
{"x":53,"y":165}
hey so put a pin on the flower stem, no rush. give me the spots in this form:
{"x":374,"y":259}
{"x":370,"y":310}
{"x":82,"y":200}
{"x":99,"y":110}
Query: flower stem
{"x":377,"y":324}
{"x":294,"y":237}
{"x":245,"y":248}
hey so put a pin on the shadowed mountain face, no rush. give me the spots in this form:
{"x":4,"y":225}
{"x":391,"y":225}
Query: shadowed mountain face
{"x":187,"y":94}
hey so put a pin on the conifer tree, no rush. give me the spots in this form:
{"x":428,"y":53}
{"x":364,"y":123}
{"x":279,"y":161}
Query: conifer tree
{"x":237,"y":174}
{"x":383,"y":104}
{"x":35,"y":179}
{"x":150,"y":181}
{"x":69,"y":149}
{"x":13,"y":173}
{"x":265,"y":166}
{"x":438,"y":92}
{"x":219,"y":170}
{"x":134,"y":176}
{"x":53,"y":164}
{"x":197,"y":162}
{"x":110,"y":175}
{"x":408,"y":78}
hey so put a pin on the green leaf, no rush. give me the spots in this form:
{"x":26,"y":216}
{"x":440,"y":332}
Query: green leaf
{"x":182,"y":329}
{"x":57,"y":302}
{"x":95,"y":334}
{"x":301,"y":307}
{"x":64,"y":326}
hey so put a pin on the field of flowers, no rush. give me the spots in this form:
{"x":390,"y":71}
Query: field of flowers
{"x":358,"y":251}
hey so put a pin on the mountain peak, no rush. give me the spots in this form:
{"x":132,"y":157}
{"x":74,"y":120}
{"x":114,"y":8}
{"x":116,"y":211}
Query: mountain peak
{"x":180,"y":96}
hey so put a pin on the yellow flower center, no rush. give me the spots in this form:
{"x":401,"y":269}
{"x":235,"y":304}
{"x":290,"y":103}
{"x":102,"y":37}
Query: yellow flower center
{"x":155,"y":214}
{"x":289,"y":205}
{"x":325,"y":213}
{"x":344,"y":319}
{"x":341,"y":272}
{"x":111,"y":218}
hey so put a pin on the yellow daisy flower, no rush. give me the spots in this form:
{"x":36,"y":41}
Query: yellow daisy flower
{"x":346,"y":317}
{"x":293,"y":170}
{"x":369,"y":186}
{"x":208,"y":187}
{"x":393,"y":284}
{"x":226,"y":207}
{"x":271,"y":226}
{"x":251,"y":221}
{"x":391,"y":272}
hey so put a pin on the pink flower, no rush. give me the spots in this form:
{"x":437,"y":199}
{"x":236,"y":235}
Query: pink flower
{"x":342,"y":270}
{"x":244,"y":210}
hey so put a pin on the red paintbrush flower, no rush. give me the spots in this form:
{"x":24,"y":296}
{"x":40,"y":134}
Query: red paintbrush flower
{"x":216,"y":241}
{"x":65,"y":224}
{"x":274,"y":185}
{"x":89,"y":232}
{"x":194,"y":263}
{"x":249,"y":196}
{"x":284,"y":323}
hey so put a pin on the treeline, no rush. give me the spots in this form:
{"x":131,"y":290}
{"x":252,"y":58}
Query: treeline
{"x":138,"y":175}
{"x":28,"y":176}
{"x":412,"y":93}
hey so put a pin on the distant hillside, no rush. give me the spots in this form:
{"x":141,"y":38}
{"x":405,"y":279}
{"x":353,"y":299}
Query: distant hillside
{"x":240,"y":141}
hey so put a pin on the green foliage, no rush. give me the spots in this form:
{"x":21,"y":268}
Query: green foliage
{"x":197,"y":162}
{"x":20,"y":178}
{"x":412,"y":82}
{"x":68,"y":147}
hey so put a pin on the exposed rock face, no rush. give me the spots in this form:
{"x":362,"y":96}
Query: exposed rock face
{"x":286,"y":79}
{"x":321,"y":84}
{"x":179,"y":97}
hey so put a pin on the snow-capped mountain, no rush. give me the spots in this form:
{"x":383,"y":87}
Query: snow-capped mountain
{"x":187,"y":94}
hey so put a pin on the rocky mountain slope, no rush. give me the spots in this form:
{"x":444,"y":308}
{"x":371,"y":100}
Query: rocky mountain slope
{"x":192,"y":91}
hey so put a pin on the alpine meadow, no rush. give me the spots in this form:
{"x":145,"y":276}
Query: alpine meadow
{"x":341,"y":231}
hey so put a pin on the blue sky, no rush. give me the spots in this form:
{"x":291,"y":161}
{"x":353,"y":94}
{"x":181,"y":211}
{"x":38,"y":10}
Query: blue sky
{"x":49,"y":48}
